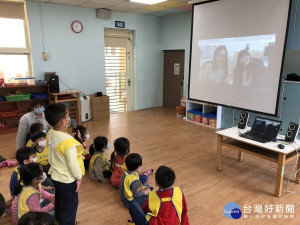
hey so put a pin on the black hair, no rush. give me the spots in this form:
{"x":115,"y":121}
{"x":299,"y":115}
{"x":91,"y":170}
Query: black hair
{"x":99,"y":144}
{"x":164,"y":177}
{"x":36,"y":218}
{"x":36,"y":102}
{"x":2,"y":205}
{"x":38,"y":134}
{"x":55,"y":112}
{"x":27,"y":173}
{"x":122,"y":148}
{"x":82,"y":130}
{"x":33,"y":128}
{"x":133,"y":161}
{"x":24,"y":153}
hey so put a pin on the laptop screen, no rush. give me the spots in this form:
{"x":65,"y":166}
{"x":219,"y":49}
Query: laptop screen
{"x":266,"y":127}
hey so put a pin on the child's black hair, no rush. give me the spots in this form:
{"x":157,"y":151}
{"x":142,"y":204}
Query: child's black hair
{"x":27,"y":173}
{"x":165,"y":177}
{"x":33,"y":128}
{"x":2,"y":205}
{"x":133,"y":161}
{"x":99,"y":144}
{"x":122,"y":148}
{"x":36,"y":218}
{"x":24,"y":153}
{"x":38,"y":134}
{"x":36,"y":102}
{"x":55,"y":112}
{"x":82,"y":130}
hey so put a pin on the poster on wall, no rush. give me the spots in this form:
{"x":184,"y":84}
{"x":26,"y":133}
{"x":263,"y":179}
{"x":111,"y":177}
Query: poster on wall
{"x":176,"y":68}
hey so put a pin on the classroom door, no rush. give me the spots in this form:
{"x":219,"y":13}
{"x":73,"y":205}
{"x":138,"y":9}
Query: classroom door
{"x":118,"y":55}
{"x":173,"y":77}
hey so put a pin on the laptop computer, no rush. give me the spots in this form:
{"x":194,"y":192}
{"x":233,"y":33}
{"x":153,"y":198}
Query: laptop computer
{"x":263,"y":130}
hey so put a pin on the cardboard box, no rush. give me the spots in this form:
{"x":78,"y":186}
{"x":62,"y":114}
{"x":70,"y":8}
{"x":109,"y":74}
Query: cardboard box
{"x":100,"y":107}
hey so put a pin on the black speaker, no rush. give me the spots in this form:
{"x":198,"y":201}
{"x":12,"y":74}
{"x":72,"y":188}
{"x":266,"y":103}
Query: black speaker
{"x":243,"y":120}
{"x":291,"y":132}
{"x":53,"y":81}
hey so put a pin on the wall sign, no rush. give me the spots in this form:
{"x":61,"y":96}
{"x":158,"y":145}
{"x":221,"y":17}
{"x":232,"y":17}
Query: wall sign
{"x":176,"y":68}
{"x":120,"y":24}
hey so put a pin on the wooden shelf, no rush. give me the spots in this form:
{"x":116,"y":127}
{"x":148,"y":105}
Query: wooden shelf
{"x":23,"y":106}
{"x":74,"y":107}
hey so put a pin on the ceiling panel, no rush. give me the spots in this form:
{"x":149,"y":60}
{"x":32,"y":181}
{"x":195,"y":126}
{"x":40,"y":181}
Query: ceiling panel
{"x":130,"y":7}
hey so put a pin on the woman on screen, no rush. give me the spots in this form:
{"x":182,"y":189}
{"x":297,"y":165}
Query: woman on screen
{"x":249,"y":72}
{"x":217,"y":69}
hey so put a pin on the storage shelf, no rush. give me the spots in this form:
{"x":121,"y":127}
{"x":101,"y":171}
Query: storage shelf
{"x":23,"y":100}
{"x":21,"y":106}
{"x":199,"y":123}
{"x":24,"y":86}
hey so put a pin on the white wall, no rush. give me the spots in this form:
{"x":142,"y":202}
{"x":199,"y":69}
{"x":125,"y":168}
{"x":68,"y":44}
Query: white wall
{"x":78,"y":59}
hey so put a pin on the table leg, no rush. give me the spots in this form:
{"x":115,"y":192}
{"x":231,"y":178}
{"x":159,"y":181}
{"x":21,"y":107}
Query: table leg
{"x":298,"y":174}
{"x":280,"y":172}
{"x":219,"y":152}
{"x":240,"y":158}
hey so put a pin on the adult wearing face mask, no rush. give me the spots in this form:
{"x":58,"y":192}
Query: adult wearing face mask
{"x":35,"y":116}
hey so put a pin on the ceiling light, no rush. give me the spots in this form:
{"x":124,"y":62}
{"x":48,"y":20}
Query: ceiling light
{"x":149,"y":2}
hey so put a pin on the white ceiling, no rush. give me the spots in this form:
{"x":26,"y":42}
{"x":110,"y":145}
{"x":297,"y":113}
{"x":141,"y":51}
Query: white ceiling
{"x":160,"y":9}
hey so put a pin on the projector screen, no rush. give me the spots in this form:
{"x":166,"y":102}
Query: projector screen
{"x":237,"y":52}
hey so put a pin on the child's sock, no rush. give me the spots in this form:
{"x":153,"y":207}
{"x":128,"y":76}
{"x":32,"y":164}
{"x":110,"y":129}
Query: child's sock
{"x":12,"y":163}
{"x":4,"y":163}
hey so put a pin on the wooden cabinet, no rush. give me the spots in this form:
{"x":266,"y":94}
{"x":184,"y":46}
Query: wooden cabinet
{"x":12,"y":110}
{"x":72,"y":101}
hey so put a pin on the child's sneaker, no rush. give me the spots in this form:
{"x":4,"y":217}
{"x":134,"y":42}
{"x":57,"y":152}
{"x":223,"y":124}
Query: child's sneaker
{"x":148,"y":172}
{"x":130,"y":222}
{"x":77,"y":221}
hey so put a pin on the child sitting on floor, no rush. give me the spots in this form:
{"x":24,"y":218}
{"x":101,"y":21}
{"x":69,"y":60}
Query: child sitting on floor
{"x":167,"y":206}
{"x":24,"y":156}
{"x":38,"y":139}
{"x":118,"y":166}
{"x":99,"y":166}
{"x":33,"y":128}
{"x":29,"y":195}
{"x":131,"y":188}
{"x":81,"y":135}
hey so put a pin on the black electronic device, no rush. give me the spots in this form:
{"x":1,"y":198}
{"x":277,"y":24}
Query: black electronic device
{"x":263,"y":130}
{"x":292,"y":132}
{"x":281,"y":146}
{"x":53,"y":81}
{"x":243,"y":120}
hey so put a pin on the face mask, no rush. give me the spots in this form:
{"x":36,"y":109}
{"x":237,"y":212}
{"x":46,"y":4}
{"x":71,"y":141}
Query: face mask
{"x":88,"y":136}
{"x":69,"y":123}
{"x":42,"y":143}
{"x":43,"y":178}
{"x":45,"y":131}
{"x":108,"y":146}
{"x":39,"y":110}
{"x":35,"y":159}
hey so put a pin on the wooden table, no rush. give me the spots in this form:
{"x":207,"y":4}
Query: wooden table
{"x":74,"y":101}
{"x":268,"y":151}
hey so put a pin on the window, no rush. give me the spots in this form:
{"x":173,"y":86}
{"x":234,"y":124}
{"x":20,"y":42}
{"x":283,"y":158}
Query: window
{"x":15,"y":53}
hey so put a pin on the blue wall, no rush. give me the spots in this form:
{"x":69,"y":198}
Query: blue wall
{"x":176,"y":34}
{"x":78,"y":59}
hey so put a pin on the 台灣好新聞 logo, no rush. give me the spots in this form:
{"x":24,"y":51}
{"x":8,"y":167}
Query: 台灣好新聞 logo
{"x":232,"y":210}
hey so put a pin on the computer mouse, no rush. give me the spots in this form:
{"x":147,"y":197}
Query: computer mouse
{"x":281,"y":146}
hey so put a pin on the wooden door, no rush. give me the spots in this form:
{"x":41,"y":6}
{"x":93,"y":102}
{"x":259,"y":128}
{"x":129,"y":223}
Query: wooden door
{"x":173,"y":77}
